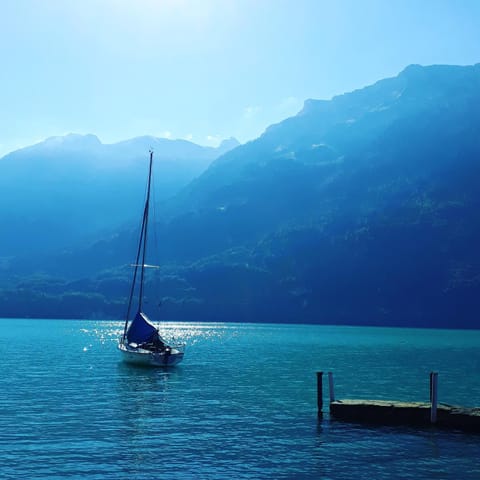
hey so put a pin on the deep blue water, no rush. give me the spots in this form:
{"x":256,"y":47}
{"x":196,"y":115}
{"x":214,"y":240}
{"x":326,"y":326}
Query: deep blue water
{"x":242,"y":405}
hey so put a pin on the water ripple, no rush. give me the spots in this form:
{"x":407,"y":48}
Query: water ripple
{"x":243,"y":404}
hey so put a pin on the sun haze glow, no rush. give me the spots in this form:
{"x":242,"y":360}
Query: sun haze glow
{"x":206,"y":69}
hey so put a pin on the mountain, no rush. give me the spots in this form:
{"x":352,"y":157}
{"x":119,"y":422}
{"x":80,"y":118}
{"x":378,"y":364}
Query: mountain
{"x":362,"y":209}
{"x":227,"y":145}
{"x":67,"y":190}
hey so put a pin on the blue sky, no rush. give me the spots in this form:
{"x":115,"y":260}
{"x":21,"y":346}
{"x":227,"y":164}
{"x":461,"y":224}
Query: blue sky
{"x":206,"y":69}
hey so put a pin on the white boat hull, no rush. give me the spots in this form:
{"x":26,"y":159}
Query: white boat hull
{"x":140,"y":356}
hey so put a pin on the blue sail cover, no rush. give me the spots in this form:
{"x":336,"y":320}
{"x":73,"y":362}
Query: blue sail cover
{"x":141,"y":330}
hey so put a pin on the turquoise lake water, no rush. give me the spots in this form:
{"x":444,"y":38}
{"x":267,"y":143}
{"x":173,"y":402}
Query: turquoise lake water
{"x":242,"y":405}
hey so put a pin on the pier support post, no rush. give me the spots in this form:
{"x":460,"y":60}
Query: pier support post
{"x":320,"y":393}
{"x":330,"y":387}
{"x":433,"y":396}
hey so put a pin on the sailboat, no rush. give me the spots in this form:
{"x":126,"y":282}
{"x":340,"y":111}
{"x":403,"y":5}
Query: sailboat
{"x":141,"y":342}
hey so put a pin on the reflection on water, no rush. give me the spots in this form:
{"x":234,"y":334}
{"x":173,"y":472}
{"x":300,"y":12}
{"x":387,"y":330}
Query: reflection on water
{"x":142,"y":397}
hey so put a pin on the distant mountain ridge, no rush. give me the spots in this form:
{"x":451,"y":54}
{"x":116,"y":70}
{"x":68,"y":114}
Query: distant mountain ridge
{"x":90,"y":147}
{"x":359,"y":210}
{"x":327,"y":130}
{"x":67,"y":189}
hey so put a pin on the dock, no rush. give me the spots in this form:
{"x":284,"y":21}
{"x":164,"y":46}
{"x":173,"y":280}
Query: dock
{"x":393,"y":412}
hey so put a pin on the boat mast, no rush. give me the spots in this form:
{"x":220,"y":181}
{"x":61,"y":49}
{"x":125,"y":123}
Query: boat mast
{"x":145,"y":221}
{"x":142,"y":247}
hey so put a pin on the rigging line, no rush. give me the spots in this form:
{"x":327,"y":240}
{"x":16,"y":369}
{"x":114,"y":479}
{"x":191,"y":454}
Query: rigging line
{"x":132,"y":289}
{"x":156,"y":244}
{"x":147,"y":206}
{"x":142,"y":236}
{"x":153,"y":223}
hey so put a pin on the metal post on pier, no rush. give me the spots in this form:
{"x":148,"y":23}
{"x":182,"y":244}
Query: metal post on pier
{"x":320,"y":393}
{"x":330,"y":387}
{"x":433,"y":396}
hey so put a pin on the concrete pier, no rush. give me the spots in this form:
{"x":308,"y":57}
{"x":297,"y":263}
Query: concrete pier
{"x":392,"y":412}
{"x":388,"y":412}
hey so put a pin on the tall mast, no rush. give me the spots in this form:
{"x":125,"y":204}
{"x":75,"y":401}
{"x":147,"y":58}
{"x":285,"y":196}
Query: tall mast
{"x":142,"y":247}
{"x":145,"y":222}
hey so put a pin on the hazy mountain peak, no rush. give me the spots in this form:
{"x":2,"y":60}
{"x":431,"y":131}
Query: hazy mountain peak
{"x":228,"y":144}
{"x":312,"y":105}
{"x":72,"y":140}
{"x":438,"y":69}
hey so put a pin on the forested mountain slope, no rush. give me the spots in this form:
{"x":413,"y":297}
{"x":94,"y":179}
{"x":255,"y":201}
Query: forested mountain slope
{"x":359,"y":210}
